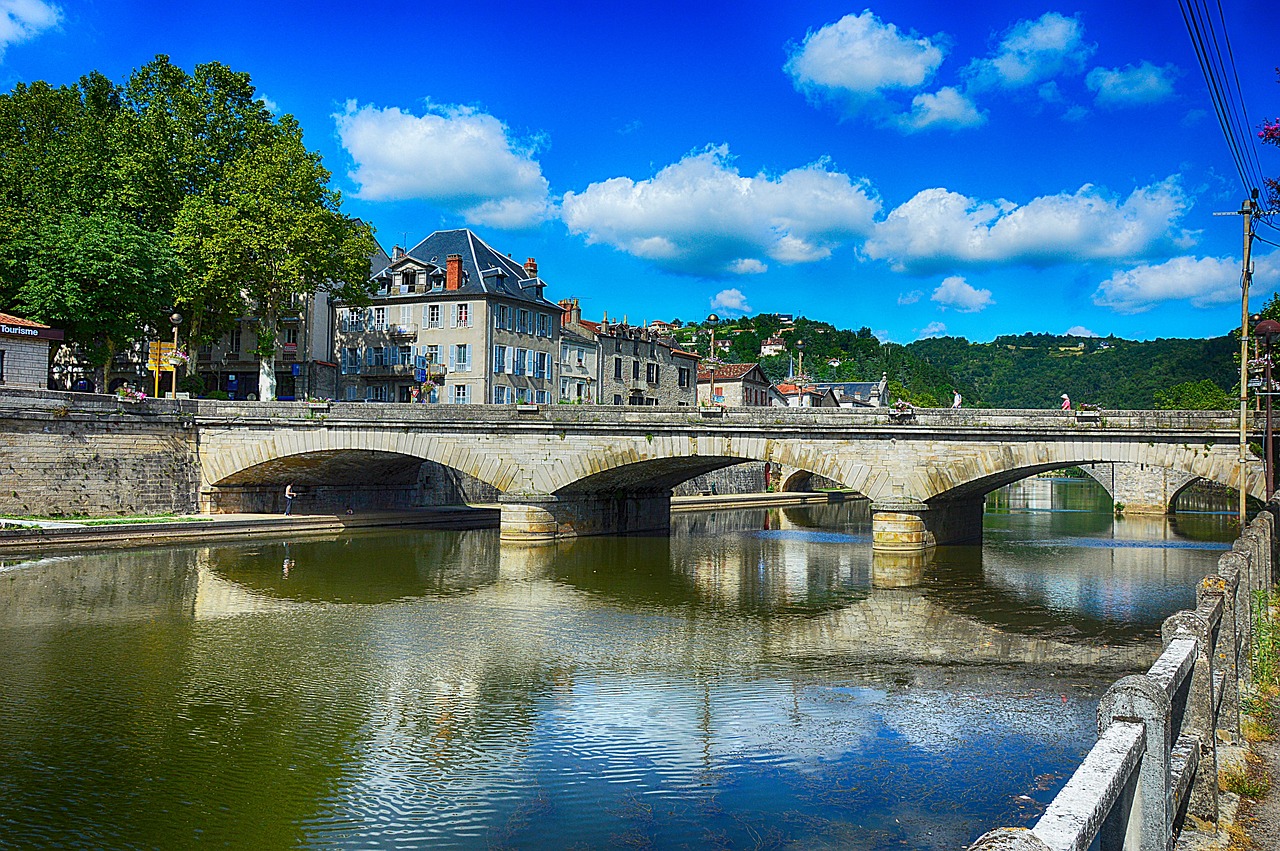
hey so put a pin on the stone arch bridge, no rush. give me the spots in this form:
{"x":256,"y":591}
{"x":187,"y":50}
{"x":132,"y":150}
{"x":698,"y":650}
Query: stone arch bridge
{"x":570,"y":470}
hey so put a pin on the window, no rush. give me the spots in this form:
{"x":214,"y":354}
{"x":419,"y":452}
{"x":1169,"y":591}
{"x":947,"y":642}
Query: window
{"x":433,"y":353}
{"x":582,"y":356}
{"x":617,"y":400}
{"x":542,"y":397}
{"x":521,"y":360}
{"x":379,"y":356}
{"x":406,"y":355}
{"x":353,"y":392}
{"x":540,"y":364}
{"x":500,"y":395}
{"x":651,"y":350}
{"x":380,"y":319}
{"x":406,"y":315}
{"x":460,"y":358}
{"x":461,"y":394}
{"x":617,"y":368}
{"x":350,"y":360}
{"x":544,"y":325}
{"x":651,"y":373}
{"x":461,"y":315}
{"x":235,"y":339}
{"x":522,"y":323}
{"x":507,"y":313}
{"x":522,"y":395}
{"x":617,"y":344}
{"x":431,"y":315}
{"x":409,"y":280}
{"x":291,"y":336}
{"x":564,"y":388}
{"x":376,"y":393}
{"x":635,"y":370}
{"x":564,"y":353}
{"x":499,"y":360}
{"x":683,"y":376}
{"x":635,"y":348}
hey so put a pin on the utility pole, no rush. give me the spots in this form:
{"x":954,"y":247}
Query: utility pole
{"x":1247,"y":210}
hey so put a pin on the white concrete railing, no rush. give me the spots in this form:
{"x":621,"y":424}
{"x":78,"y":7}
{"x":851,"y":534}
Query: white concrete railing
{"x":1155,"y":761}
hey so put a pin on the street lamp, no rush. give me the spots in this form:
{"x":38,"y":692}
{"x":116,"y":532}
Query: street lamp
{"x":712,"y":319}
{"x":800,"y":349}
{"x":175,"y":319}
{"x":1266,"y":329}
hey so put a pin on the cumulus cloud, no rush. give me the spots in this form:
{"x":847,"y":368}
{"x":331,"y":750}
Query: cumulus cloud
{"x":939,"y":229}
{"x":454,"y":156}
{"x":1079,"y":331}
{"x":731,"y":299}
{"x":909,"y":298}
{"x":700,"y":216}
{"x":859,"y":55}
{"x":23,"y":20}
{"x":958,"y":293}
{"x":946,"y":108}
{"x":1202,"y":281}
{"x":1131,"y":86}
{"x":1033,"y":51}
{"x":268,"y":104}
{"x":933,"y":329}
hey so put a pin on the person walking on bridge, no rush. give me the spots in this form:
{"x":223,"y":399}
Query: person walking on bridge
{"x":1066,"y":402}
{"x":955,"y":398}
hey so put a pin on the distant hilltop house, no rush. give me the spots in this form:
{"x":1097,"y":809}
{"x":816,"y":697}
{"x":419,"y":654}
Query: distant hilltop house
{"x":734,"y":385}
{"x":773,"y":346}
{"x":659,"y":326}
{"x":24,"y":352}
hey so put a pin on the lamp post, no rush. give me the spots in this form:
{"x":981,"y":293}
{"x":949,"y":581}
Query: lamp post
{"x":800,"y":349}
{"x":1266,"y":329}
{"x":175,"y":319}
{"x":712,"y":319}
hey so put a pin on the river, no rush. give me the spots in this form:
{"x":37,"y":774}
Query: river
{"x":758,"y":680}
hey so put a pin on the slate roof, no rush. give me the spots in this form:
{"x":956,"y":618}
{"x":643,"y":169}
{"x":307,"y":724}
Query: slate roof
{"x":485,"y":270}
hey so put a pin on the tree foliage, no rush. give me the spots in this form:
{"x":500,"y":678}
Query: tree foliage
{"x":134,"y":167}
{"x":1201,"y":395}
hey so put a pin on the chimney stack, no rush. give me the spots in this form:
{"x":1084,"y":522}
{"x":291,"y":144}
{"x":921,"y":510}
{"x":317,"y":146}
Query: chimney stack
{"x":571,"y":313}
{"x":453,"y":272}
{"x":531,"y":268}
{"x":397,"y":252}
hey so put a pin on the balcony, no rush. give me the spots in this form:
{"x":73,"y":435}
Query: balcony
{"x":391,"y":370}
{"x":403,"y":330}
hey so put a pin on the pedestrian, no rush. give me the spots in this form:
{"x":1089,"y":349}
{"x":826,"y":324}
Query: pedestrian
{"x":289,"y":494}
{"x":1066,"y":402}
{"x":955,"y":398}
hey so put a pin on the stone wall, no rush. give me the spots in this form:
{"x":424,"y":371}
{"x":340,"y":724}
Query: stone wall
{"x":25,"y":362}
{"x":751,"y":477}
{"x":111,"y":459}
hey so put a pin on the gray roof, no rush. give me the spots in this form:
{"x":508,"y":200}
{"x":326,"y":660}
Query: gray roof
{"x":485,"y":270}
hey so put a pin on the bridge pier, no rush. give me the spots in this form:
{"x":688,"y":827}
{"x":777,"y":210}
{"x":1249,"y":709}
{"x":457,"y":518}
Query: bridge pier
{"x":906,"y":525}
{"x":535,"y":518}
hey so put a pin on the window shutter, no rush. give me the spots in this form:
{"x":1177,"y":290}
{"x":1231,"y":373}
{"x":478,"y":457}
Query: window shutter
{"x":453,"y":316}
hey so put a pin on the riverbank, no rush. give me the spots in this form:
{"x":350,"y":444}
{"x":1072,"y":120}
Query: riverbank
{"x":23,"y":536}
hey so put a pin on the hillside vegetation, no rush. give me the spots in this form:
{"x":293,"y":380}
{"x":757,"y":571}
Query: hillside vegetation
{"x":1027,"y":371}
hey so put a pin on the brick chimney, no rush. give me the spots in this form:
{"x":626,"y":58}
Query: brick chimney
{"x":453,"y":272}
{"x":531,"y":268}
{"x":571,"y":313}
{"x":397,"y":252}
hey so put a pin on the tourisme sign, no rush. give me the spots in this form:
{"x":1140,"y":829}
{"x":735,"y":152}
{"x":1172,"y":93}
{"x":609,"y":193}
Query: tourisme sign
{"x":31,"y":332}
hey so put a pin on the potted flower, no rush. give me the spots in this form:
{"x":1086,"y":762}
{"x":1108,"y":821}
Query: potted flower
{"x":125,"y":393}
{"x":177,"y":358}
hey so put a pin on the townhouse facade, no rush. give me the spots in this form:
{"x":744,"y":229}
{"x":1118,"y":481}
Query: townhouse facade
{"x":632,"y":365}
{"x":452,"y":321}
{"x":735,"y":385}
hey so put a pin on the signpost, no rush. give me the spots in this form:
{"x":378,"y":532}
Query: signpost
{"x":158,"y":360}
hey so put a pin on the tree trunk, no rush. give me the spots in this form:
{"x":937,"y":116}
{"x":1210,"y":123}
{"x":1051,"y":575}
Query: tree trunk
{"x":267,"y":357}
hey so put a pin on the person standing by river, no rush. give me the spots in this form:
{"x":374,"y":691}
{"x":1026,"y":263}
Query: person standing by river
{"x":289,"y":495}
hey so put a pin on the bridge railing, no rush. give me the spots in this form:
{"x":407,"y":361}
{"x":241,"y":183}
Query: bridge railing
{"x":1155,"y":761}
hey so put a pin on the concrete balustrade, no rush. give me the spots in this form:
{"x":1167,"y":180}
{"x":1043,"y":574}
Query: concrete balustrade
{"x":1156,"y":758}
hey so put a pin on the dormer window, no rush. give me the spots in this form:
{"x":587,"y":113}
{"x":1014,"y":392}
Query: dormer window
{"x":408,"y":281}
{"x":437,"y":281}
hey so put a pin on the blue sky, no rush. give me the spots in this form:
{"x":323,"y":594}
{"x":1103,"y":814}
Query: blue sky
{"x":916,"y":167}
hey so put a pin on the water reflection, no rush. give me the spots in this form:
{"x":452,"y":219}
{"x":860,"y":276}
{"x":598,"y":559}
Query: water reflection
{"x":758,"y":679}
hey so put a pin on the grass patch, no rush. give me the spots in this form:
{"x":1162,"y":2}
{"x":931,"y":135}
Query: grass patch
{"x":117,"y":521}
{"x":1266,"y":642}
{"x":1259,"y":720}
{"x":1248,"y":781}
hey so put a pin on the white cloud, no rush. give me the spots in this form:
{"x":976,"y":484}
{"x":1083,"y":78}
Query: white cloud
{"x":956,"y":292}
{"x":1079,"y":331}
{"x":454,"y":156}
{"x":933,"y":329}
{"x":1130,"y":86}
{"x":270,"y":105}
{"x":731,"y":299}
{"x":23,"y":20}
{"x":700,"y":216}
{"x":1033,"y":51}
{"x":859,"y":55}
{"x":909,"y":298}
{"x":939,"y":229}
{"x":1202,"y":281}
{"x":946,"y":108}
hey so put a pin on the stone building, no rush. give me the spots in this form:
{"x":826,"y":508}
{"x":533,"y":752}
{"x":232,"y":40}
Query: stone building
{"x":635,"y":365}
{"x":456,"y":321}
{"x":579,"y":356}
{"x":24,"y":352}
{"x":735,"y":385}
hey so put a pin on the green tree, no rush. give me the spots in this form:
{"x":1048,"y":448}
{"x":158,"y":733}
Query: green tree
{"x":271,"y":229}
{"x":1201,"y":395}
{"x":101,"y":280}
